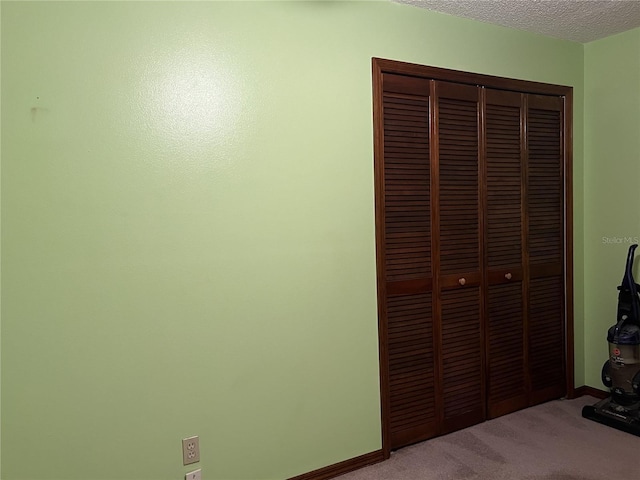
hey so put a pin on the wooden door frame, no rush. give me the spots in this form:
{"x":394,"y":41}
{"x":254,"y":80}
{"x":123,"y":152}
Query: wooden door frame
{"x":381,"y":66}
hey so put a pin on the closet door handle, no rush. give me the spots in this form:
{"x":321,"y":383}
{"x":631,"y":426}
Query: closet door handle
{"x":462,"y":281}
{"x":507,"y":276}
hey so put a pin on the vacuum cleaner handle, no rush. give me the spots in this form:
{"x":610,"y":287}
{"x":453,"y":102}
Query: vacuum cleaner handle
{"x":628,"y":300}
{"x":627,"y":281}
{"x":635,"y":303}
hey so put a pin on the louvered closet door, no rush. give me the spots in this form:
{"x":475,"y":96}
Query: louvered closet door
{"x":546,"y":249}
{"x":459,"y":245}
{"x":405,"y":211}
{"x":506,"y":319}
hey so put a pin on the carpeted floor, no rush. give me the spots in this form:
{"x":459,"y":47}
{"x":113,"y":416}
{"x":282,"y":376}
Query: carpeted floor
{"x":547,"y":442}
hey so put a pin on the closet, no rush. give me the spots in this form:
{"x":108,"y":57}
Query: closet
{"x":473,"y":245}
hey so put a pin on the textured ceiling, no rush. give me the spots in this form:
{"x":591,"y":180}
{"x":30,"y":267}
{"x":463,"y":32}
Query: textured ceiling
{"x":577,"y":20}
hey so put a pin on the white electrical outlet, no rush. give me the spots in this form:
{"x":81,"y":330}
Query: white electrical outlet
{"x":195,"y":475}
{"x":190,"y":450}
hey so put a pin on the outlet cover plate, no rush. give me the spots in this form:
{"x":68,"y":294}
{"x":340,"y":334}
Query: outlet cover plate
{"x":195,"y":475}
{"x":190,"y":450}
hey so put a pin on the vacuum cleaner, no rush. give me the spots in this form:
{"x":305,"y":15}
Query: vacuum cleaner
{"x":621,"y":373}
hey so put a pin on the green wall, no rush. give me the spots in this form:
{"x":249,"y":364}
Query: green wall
{"x":188,"y":227}
{"x":611,"y":183}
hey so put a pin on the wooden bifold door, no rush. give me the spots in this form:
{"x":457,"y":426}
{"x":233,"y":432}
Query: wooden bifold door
{"x":473,"y":238}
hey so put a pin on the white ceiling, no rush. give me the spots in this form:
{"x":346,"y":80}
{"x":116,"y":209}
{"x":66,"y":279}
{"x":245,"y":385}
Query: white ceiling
{"x":577,"y":20}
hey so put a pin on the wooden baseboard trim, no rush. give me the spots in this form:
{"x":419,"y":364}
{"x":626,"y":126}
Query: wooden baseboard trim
{"x":343,"y":467}
{"x":591,"y":391}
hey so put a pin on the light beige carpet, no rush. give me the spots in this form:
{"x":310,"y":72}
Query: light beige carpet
{"x":547,"y":442}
